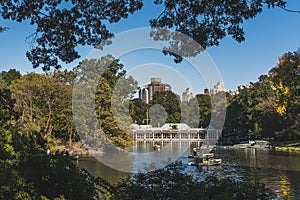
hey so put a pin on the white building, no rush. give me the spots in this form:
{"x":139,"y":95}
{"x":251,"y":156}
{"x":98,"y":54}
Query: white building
{"x":219,"y":87}
{"x":187,"y":95}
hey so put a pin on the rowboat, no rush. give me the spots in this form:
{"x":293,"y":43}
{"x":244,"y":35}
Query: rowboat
{"x":210,"y":162}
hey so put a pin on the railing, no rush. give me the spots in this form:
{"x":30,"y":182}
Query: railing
{"x":175,"y":135}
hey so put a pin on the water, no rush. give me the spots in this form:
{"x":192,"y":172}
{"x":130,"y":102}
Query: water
{"x":279,"y":171}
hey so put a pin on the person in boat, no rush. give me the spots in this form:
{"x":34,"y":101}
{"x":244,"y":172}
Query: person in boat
{"x":207,"y":159}
{"x":156,"y":146}
{"x":198,"y":160}
{"x":194,"y":152}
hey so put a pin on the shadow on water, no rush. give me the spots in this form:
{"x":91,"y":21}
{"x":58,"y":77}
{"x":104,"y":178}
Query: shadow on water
{"x":98,"y":169}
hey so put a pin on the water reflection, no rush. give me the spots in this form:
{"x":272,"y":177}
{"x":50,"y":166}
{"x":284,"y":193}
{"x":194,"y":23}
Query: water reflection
{"x":98,"y":169}
{"x":279,"y":171}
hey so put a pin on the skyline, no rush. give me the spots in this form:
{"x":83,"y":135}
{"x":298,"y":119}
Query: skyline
{"x":268,"y":36}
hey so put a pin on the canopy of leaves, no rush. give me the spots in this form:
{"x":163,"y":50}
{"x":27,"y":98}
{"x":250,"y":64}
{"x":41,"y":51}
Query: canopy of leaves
{"x":206,"y":21}
{"x":204,"y":102}
{"x":26,"y":171}
{"x":7,"y":113}
{"x":104,"y":82}
{"x":62,"y":25}
{"x":29,"y":173}
{"x":3,"y":29}
{"x":171,"y":104}
{"x":138,"y":110}
{"x":270,"y":106}
{"x":285,"y":78}
{"x":253,"y":110}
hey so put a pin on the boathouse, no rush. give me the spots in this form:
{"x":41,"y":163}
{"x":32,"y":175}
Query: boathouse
{"x":174,"y":132}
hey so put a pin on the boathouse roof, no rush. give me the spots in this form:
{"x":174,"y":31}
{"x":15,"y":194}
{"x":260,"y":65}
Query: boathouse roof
{"x":178,"y":126}
{"x":170,"y":126}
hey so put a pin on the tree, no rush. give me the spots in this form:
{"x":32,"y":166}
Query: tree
{"x":190,"y":112}
{"x":253,"y":109}
{"x":62,"y":25}
{"x":171,"y":104}
{"x":12,"y":184}
{"x":6,"y":78}
{"x":63,"y":115}
{"x":285,"y":79}
{"x":7,"y":114}
{"x":138,"y":110}
{"x":204,"y":102}
{"x":29,"y":173}
{"x":3,"y":29}
{"x":104,"y":84}
{"x":41,"y":100}
{"x":207,"y":22}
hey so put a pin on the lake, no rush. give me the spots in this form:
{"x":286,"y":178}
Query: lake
{"x":279,"y":171}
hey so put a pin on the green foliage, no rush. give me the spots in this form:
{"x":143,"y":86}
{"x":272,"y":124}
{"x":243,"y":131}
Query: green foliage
{"x":45,"y":104}
{"x":57,"y":175}
{"x":62,"y":113}
{"x":207,"y":22}
{"x":28,"y":173}
{"x":6,"y":78}
{"x":270,"y":106}
{"x":104,"y":82}
{"x":171,"y":103}
{"x":253,"y":110}
{"x":7,"y":114}
{"x":61,"y":26}
{"x":138,"y":110}
{"x":285,"y":78}
{"x":12,"y":184}
{"x":204,"y":102}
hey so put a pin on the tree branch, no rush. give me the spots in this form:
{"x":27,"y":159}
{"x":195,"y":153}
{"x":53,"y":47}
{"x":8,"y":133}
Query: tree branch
{"x":288,"y":10}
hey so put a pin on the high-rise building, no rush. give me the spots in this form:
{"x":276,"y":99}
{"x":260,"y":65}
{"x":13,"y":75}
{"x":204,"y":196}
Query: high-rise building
{"x":187,"y":95}
{"x":146,"y":94}
{"x":219,"y":87}
{"x":206,"y":91}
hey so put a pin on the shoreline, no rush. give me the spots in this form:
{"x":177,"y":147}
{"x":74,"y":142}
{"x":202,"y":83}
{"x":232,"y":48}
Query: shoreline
{"x":293,"y":149}
{"x":274,"y":148}
{"x":76,"y":149}
{"x":79,"y":149}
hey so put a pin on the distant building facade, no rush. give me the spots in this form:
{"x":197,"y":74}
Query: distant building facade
{"x":219,"y":87}
{"x":146,"y":94}
{"x":187,"y":95}
{"x":206,"y":91}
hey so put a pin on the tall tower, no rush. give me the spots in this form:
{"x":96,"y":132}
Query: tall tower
{"x":187,"y":95}
{"x":146,"y":94}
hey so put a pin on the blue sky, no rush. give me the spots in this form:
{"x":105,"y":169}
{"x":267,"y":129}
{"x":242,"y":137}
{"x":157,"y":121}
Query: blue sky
{"x":268,"y":36}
